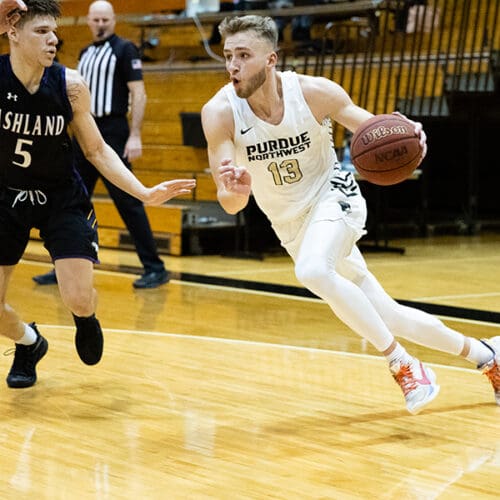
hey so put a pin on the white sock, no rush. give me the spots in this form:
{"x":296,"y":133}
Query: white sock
{"x":479,"y":353}
{"x":29,"y":337}
{"x":399,"y":354}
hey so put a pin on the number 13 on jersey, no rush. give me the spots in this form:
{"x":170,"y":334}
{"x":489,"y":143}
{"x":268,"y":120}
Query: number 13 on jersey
{"x":287,"y":172}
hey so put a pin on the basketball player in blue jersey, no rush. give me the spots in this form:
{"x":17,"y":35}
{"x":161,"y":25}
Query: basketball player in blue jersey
{"x":268,"y":134}
{"x":39,"y":100}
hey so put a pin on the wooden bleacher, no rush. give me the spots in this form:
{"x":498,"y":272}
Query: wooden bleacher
{"x":165,"y":157}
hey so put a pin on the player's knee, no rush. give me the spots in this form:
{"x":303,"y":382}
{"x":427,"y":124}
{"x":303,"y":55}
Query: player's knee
{"x":79,"y":301}
{"x":312,"y":272}
{"x":6,"y":312}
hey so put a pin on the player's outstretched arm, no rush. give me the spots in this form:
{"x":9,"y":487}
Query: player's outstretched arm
{"x":9,"y":13}
{"x":233,"y":182}
{"x":105,"y":159}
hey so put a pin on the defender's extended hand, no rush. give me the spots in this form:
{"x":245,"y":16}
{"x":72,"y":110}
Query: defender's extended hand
{"x":166,"y":190}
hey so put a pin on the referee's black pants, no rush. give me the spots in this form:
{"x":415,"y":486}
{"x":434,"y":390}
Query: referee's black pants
{"x":115,"y":131}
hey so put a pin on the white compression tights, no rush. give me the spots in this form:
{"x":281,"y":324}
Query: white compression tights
{"x":330,"y":265}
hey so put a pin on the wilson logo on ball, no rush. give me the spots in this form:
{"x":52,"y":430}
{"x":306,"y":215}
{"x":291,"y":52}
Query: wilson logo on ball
{"x":380,"y":132}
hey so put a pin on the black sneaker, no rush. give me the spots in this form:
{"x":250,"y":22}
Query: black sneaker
{"x":23,"y":372}
{"x":89,"y":340}
{"x":152,"y":280}
{"x":46,"y":279}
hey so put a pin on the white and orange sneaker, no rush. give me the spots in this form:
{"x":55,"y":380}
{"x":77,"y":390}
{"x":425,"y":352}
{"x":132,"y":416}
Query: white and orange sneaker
{"x":492,"y":367}
{"x":417,"y":382}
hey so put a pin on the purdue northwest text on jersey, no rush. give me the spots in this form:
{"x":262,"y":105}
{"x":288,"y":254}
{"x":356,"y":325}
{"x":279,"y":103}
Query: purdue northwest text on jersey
{"x":279,"y":148}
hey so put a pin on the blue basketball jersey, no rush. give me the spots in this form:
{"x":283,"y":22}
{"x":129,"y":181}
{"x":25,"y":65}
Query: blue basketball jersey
{"x":36,"y":147}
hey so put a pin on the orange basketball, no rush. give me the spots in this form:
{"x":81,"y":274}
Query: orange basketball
{"x":385,"y":149}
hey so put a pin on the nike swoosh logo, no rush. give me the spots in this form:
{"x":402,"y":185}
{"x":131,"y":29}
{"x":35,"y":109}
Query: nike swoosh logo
{"x":424,"y":380}
{"x":244,"y":131}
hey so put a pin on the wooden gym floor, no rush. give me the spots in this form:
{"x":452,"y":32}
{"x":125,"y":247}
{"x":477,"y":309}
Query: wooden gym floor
{"x":231,"y":383}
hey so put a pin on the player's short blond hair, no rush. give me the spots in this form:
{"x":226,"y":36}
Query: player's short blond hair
{"x":264,"y":27}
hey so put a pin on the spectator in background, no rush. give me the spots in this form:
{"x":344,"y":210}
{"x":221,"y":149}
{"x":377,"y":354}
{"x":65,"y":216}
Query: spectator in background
{"x":402,"y":11}
{"x":215,"y":37}
{"x":117,"y":61}
{"x":301,"y":25}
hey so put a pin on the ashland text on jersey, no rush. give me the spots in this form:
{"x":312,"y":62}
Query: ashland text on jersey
{"x":28,"y":124}
{"x":36,"y":148}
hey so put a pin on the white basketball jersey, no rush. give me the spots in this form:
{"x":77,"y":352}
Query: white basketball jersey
{"x":290,"y":163}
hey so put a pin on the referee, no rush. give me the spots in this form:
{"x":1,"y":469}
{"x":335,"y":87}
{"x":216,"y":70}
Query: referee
{"x":112,"y":68}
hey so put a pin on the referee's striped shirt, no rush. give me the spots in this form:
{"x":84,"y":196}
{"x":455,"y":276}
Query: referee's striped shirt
{"x":107,"y":66}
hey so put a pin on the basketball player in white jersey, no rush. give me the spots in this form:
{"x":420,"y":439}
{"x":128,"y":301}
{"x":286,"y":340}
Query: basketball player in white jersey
{"x":268,"y":134}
